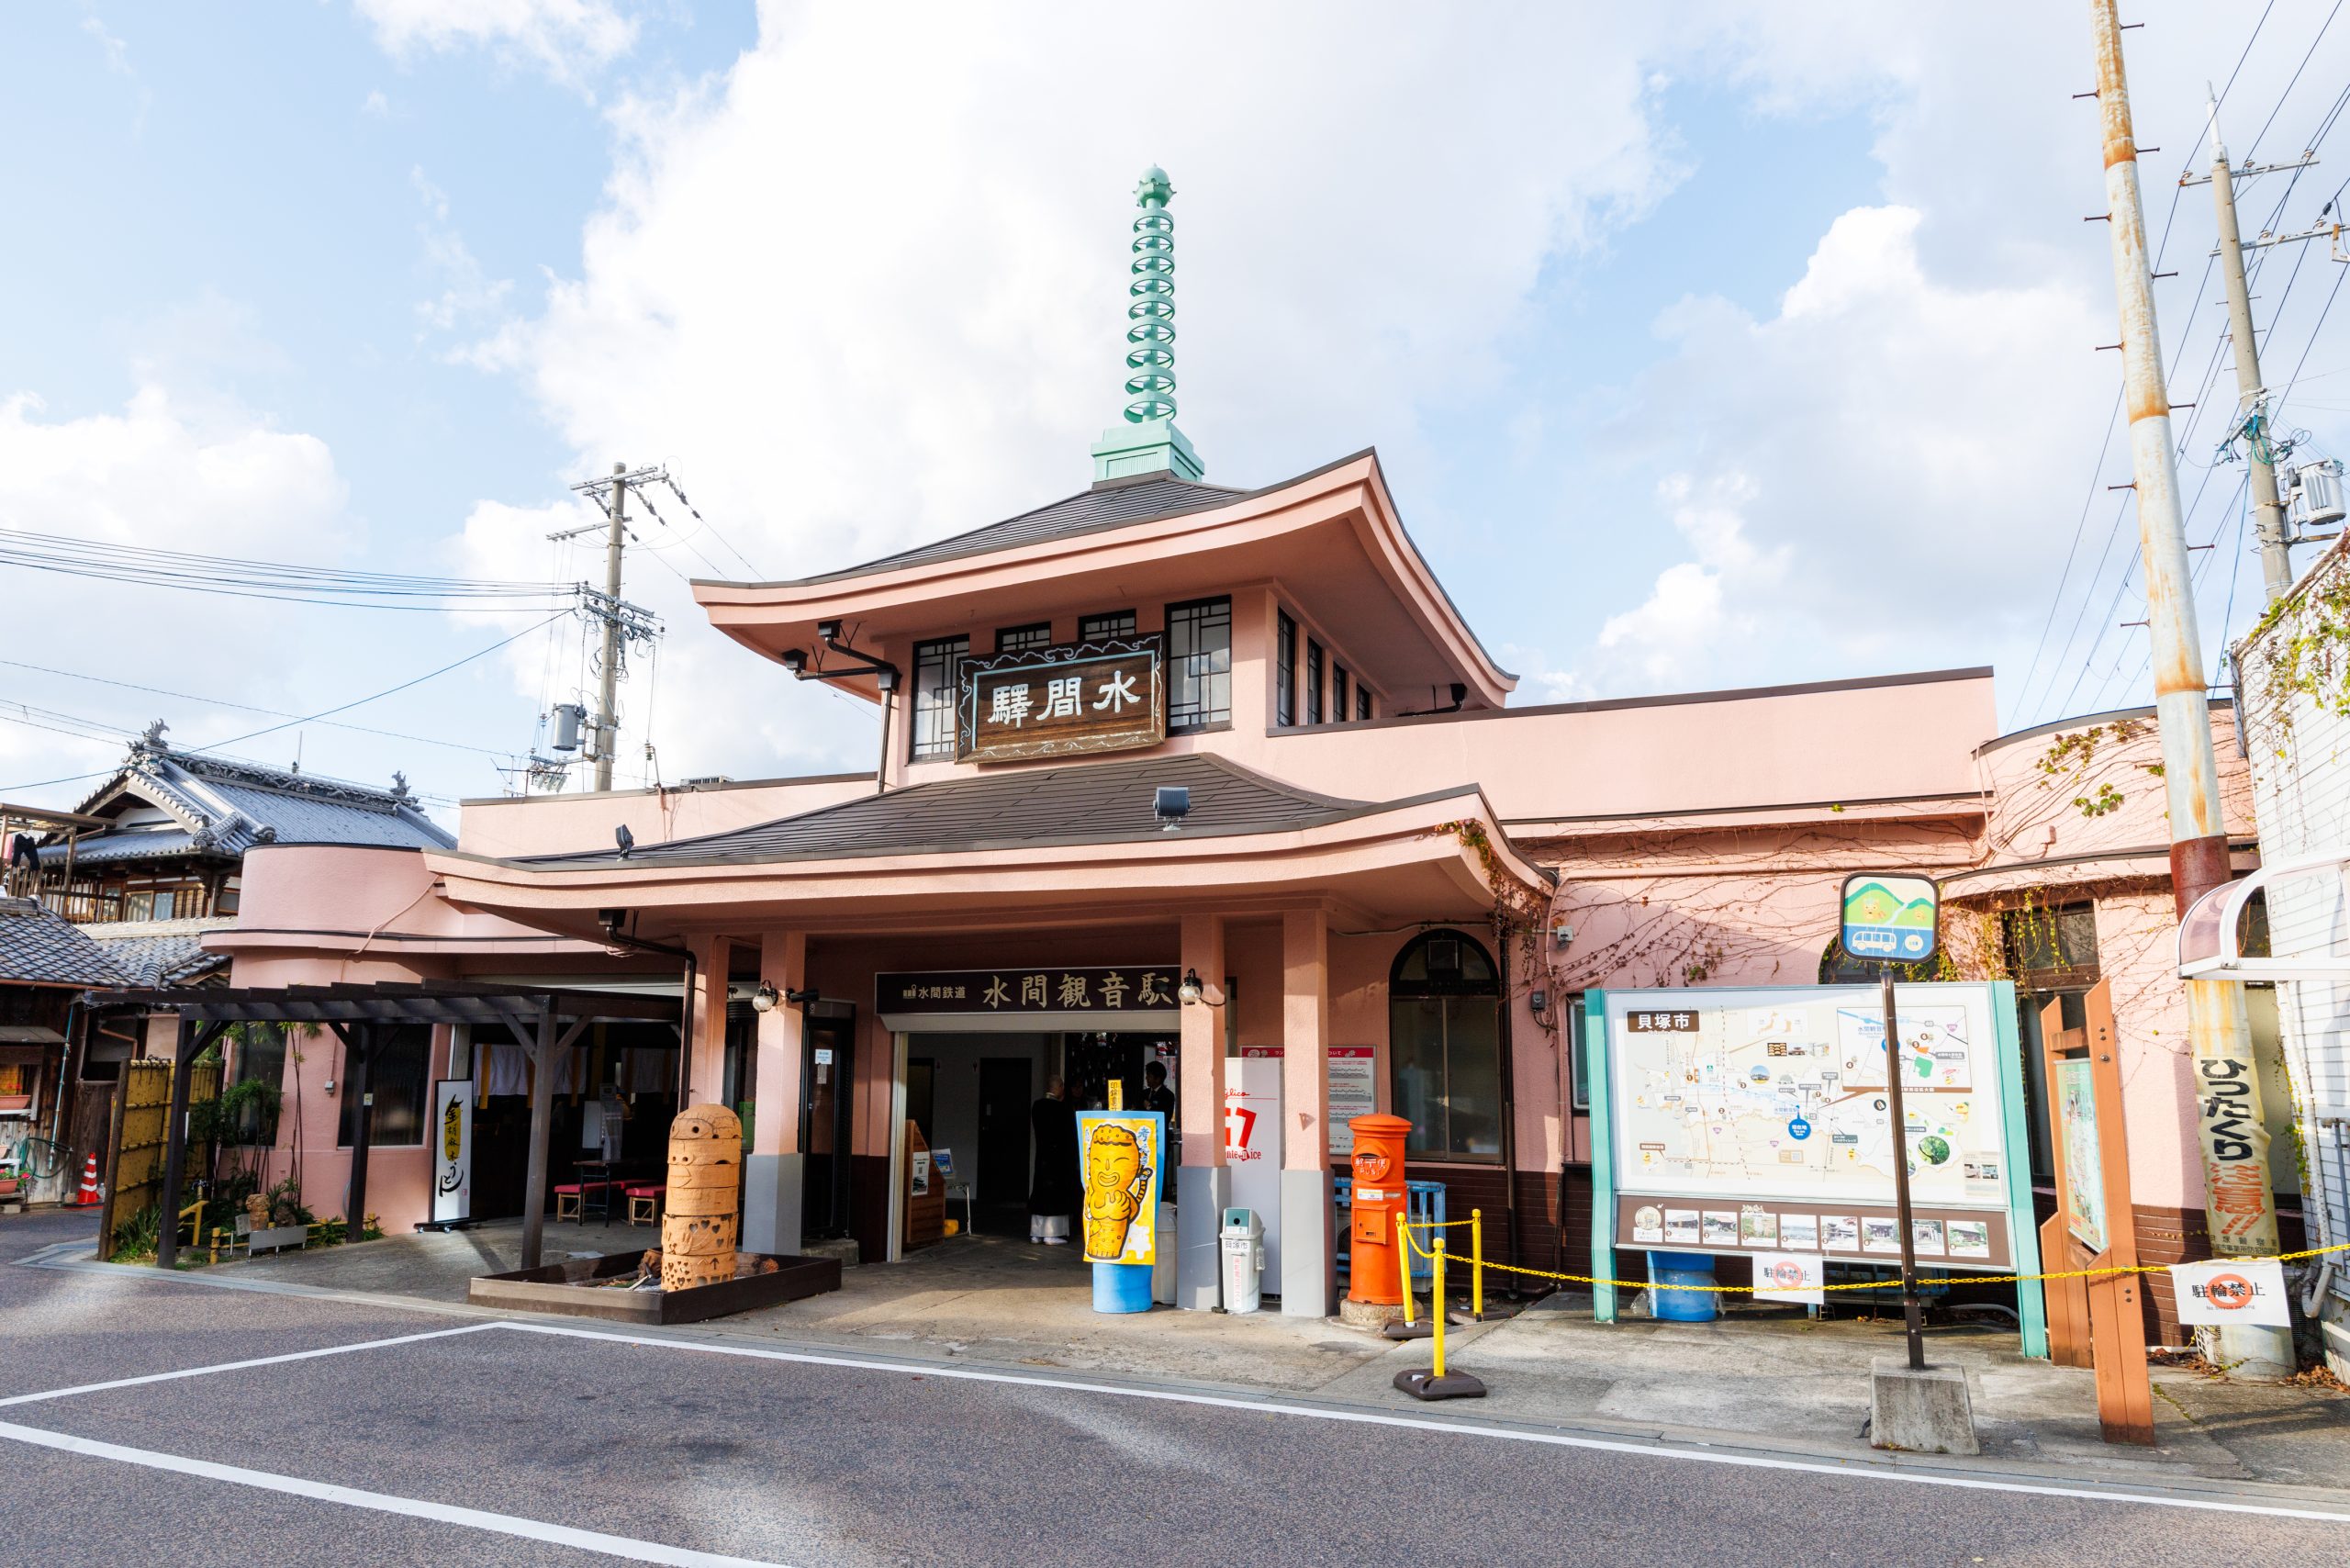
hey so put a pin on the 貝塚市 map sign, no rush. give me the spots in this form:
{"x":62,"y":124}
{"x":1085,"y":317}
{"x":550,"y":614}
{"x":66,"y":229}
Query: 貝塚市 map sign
{"x":1890,"y":918}
{"x":1780,"y":1094}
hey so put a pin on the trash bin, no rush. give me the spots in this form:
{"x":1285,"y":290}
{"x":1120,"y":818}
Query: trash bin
{"x":1243,"y":1238}
{"x":1668,"y":1271}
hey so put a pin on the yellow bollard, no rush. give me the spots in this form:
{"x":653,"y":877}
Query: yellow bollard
{"x":1477,"y":1264}
{"x":1436,"y":1306}
{"x":1404,"y":1254}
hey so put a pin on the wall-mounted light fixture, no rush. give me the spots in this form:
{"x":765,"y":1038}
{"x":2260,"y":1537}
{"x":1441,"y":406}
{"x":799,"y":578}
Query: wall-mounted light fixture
{"x":1170,"y":803}
{"x":1191,"y":991}
{"x":764,"y":1000}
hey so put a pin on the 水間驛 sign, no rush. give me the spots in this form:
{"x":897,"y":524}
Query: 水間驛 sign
{"x":1890,"y":918}
{"x":1104,"y":696}
{"x":1012,"y":993}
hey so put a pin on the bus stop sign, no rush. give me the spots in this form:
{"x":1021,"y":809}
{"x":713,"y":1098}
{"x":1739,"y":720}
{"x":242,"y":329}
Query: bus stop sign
{"x":1888,"y":917}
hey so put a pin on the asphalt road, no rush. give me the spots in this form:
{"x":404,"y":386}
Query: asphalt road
{"x":667,"y":1450}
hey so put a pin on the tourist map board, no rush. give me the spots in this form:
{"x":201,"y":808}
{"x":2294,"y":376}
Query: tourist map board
{"x":1759,"y":1120}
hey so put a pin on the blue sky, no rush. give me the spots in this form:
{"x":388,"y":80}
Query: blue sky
{"x":1736,"y":346}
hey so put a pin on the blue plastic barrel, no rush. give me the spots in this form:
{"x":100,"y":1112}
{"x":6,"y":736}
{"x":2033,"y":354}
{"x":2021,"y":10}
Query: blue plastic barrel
{"x":1122,"y":1287}
{"x":1669,"y":1270}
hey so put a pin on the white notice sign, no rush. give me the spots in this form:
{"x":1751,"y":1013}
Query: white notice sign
{"x":1789,"y":1276}
{"x":2224,"y":1292}
{"x":452,"y":1150}
{"x":1352,"y":1094}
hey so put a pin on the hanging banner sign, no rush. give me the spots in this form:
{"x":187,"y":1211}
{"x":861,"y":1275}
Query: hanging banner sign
{"x":2222,"y":1292}
{"x":1786,"y":1276}
{"x":1120,"y":1158}
{"x":1890,"y":918}
{"x":452,"y":1150}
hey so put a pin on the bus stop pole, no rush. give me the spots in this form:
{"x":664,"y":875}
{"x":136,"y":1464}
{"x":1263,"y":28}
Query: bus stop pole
{"x":1911,"y":1313}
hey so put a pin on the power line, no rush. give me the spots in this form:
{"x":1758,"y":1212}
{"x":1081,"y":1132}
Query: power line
{"x":243,"y":579}
{"x":247,"y":706}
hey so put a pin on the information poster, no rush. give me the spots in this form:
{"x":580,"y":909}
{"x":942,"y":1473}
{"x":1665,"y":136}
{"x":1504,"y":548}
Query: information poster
{"x":452,"y":1150}
{"x":1121,"y":1160}
{"x":1353,"y":1092}
{"x":1759,"y":1121}
{"x":2084,"y":1157}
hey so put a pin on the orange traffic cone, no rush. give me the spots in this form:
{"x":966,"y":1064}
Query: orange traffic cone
{"x":88,"y":1197}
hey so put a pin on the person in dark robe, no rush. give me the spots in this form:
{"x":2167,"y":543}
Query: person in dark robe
{"x":1055,"y":1191}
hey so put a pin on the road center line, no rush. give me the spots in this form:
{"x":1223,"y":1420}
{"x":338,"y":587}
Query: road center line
{"x":240,"y":1366}
{"x":383,"y":1503}
{"x":1859,"y":1471}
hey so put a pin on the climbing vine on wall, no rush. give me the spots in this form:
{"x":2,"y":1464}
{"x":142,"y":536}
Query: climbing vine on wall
{"x":1521,"y":912}
{"x":2310,"y":659}
{"x":2069,"y":758}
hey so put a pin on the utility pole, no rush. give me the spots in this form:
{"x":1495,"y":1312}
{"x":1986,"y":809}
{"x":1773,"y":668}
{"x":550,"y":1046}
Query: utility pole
{"x":607,"y":723}
{"x":2252,"y":394}
{"x":2238,"y":1207}
{"x":623,"y":622}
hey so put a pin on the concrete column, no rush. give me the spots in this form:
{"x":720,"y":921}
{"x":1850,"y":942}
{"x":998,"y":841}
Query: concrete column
{"x":1203,"y":1186}
{"x":774,"y":1170}
{"x":1308,"y":1279}
{"x":707,"y":1051}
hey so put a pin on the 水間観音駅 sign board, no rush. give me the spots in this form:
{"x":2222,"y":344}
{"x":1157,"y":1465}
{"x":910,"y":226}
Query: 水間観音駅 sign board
{"x":1109,"y":992}
{"x":1093,"y":697}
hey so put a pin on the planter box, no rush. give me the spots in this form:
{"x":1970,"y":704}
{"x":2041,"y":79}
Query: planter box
{"x":568,"y":1288}
{"x":277,"y":1238}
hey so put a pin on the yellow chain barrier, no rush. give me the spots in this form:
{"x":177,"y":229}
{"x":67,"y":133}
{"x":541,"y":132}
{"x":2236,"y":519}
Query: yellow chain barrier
{"x":1413,"y":1247}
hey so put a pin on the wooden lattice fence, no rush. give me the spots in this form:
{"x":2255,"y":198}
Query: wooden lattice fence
{"x":142,"y":1109}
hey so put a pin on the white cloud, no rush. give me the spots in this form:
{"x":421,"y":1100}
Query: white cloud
{"x":468,"y":295}
{"x":568,"y":39}
{"x":190,"y":472}
{"x":868,"y":287}
{"x":1863,"y":480}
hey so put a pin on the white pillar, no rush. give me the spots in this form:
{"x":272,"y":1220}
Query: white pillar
{"x":1203,"y":1185}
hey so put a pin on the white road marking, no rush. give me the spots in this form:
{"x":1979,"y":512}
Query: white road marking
{"x":383,"y":1503}
{"x":1859,"y":1471}
{"x":240,"y":1366}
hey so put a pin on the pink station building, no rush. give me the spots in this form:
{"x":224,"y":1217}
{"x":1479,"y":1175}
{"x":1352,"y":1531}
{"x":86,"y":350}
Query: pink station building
{"x":1375,"y":860}
{"x":1173,"y":772}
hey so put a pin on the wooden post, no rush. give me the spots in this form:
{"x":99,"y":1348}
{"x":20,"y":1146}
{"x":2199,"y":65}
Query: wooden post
{"x":112,"y":1170}
{"x":2125,"y":1403}
{"x":534,"y":1178}
{"x":167,"y":1236}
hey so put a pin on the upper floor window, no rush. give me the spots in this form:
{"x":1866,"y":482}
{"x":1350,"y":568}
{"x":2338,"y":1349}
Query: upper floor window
{"x":1337,"y":692}
{"x":1362,"y":701}
{"x":1313,"y":681}
{"x":938,"y":668}
{"x":1284,"y":669}
{"x":1108,"y":624}
{"x":1199,"y":663}
{"x":1020,"y":639}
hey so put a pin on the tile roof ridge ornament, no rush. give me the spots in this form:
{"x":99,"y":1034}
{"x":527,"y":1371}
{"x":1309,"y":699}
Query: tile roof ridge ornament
{"x":1148,"y":441}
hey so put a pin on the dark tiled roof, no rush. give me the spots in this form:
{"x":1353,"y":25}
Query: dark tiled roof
{"x":40,"y":945}
{"x":1100,"y":802}
{"x":161,"y":952}
{"x":224,"y":807}
{"x":1105,"y":506}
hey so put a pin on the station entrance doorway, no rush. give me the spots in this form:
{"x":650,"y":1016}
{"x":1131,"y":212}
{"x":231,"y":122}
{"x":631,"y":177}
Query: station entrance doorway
{"x":976,"y":1098}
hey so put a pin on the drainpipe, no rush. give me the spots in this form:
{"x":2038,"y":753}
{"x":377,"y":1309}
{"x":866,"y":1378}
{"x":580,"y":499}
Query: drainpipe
{"x":1509,"y":1114}
{"x":611,"y":921}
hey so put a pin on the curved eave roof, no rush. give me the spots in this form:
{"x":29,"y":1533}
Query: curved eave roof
{"x":1064,"y":534}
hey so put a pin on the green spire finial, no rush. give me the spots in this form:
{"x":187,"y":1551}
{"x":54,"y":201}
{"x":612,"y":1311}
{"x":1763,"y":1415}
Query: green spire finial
{"x":1151,"y":357}
{"x":1149,"y":443}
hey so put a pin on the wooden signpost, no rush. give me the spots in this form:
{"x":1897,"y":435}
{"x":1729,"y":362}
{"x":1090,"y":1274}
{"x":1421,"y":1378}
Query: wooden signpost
{"x":2098,"y":1322}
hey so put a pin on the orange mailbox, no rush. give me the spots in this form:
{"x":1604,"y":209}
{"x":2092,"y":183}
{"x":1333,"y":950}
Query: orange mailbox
{"x":1375,"y":1271}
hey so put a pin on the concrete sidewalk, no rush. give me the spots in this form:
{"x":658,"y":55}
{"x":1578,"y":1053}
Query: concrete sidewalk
{"x":1761,"y":1377}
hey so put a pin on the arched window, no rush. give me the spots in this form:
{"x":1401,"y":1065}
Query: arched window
{"x":1444,"y":1047}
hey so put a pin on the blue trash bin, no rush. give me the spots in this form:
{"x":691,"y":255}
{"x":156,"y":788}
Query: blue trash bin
{"x":1671,"y":1270}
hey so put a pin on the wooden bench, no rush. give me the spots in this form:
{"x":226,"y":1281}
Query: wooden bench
{"x":645,"y":1201}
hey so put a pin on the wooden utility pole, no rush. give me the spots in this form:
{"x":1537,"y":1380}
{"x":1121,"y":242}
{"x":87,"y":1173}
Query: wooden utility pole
{"x":2238,"y":1206}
